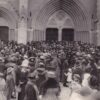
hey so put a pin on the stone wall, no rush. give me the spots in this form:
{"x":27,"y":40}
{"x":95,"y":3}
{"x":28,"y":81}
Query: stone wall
{"x":40,"y":12}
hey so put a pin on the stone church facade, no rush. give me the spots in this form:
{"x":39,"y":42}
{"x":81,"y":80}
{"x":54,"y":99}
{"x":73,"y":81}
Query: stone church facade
{"x":34,"y":20}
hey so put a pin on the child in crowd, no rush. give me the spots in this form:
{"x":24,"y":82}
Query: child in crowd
{"x":68,"y":77}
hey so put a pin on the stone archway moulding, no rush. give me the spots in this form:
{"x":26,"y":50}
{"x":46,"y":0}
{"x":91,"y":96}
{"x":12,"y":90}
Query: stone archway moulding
{"x":74,"y":9}
{"x":8,"y":13}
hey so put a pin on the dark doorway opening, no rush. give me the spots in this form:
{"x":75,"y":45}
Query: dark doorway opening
{"x":51,"y":34}
{"x":4,"y":33}
{"x":67,"y":34}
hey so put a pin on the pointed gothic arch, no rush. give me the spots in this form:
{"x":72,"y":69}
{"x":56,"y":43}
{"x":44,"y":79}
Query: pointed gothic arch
{"x":74,"y":9}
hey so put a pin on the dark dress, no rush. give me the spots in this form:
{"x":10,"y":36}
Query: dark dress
{"x":30,"y":92}
{"x":50,"y":90}
{"x":41,"y":79}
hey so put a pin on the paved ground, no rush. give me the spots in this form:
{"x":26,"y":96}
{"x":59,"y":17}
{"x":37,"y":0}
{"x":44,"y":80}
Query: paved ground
{"x":65,"y":93}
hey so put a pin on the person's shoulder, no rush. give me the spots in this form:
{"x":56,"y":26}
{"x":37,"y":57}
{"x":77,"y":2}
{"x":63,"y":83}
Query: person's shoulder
{"x":28,"y":86}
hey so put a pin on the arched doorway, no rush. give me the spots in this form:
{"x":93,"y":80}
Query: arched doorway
{"x":8,"y":25}
{"x":51,"y":34}
{"x":74,"y":9}
{"x":57,"y":22}
{"x":4,"y":33}
{"x":68,"y":34}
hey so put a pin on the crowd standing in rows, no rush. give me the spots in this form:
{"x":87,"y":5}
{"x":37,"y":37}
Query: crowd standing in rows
{"x":35,"y":71}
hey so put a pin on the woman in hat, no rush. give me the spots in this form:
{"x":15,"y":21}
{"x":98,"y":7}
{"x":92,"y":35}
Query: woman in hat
{"x":3,"y":94}
{"x":10,"y":83}
{"x":50,"y":88}
{"x":31,"y":91}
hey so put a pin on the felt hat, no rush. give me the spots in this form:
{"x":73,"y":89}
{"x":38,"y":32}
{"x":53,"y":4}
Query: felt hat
{"x":10,"y":65}
{"x":41,"y":67}
{"x":25,"y":57}
{"x":51,"y":74}
{"x":32,"y":75}
{"x":31,"y":59}
{"x":9,"y":70}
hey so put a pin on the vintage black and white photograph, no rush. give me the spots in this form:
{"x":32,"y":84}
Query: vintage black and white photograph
{"x":49,"y":49}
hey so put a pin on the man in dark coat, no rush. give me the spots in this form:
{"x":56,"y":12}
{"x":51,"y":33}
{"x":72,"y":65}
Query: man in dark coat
{"x":22,"y":83}
{"x":31,"y":91}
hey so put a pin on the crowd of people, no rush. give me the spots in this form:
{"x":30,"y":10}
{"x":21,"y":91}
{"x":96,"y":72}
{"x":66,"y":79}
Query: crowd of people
{"x":35,"y":71}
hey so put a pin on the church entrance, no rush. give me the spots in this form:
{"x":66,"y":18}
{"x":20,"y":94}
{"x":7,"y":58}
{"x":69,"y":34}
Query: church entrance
{"x":4,"y":33}
{"x":67,"y":34}
{"x":51,"y":34}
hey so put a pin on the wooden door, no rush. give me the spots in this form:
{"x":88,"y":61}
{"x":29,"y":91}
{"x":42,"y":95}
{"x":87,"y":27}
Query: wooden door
{"x":4,"y":33}
{"x":68,"y":34}
{"x":51,"y":34}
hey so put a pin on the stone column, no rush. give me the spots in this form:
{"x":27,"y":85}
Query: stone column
{"x":30,"y":35}
{"x":91,"y":39}
{"x":98,"y":24}
{"x":22,"y":25}
{"x":12,"y":34}
{"x":60,"y":34}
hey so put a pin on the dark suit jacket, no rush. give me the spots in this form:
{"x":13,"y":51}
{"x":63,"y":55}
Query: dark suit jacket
{"x":30,"y":93}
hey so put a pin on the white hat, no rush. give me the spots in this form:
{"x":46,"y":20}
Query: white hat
{"x":42,"y":57}
{"x":45,"y":54}
{"x":25,"y":63}
{"x":25,"y":56}
{"x":89,"y":55}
